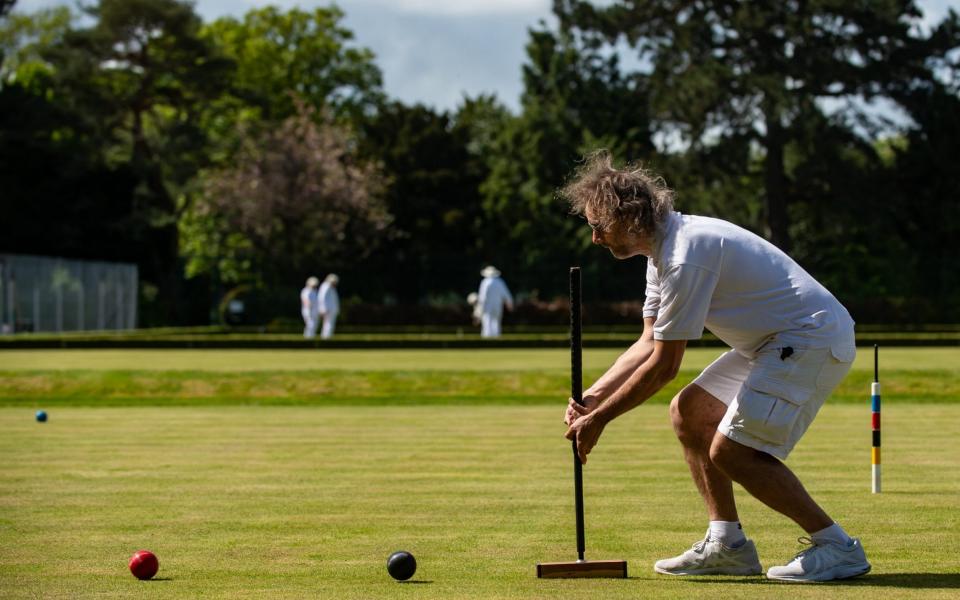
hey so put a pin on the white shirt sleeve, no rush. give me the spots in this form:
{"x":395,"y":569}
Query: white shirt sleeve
{"x":685,"y":295}
{"x":651,"y":304}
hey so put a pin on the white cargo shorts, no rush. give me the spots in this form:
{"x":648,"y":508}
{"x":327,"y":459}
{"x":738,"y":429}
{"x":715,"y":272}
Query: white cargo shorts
{"x":772,"y":398}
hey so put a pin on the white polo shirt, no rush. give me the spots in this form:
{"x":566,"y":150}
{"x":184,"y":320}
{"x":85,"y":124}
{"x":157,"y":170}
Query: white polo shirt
{"x":707,"y":272}
{"x":308,"y":299}
{"x":329,"y":300}
{"x":493,"y":294}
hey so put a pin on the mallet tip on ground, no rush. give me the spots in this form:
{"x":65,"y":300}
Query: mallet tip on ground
{"x":587,"y":568}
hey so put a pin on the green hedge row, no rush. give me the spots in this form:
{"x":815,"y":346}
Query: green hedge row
{"x":403,"y":340}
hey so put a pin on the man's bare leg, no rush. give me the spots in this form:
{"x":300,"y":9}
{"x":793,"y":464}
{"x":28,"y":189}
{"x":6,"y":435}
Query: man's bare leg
{"x":695,"y":414}
{"x":768,"y":480}
{"x":771,"y":482}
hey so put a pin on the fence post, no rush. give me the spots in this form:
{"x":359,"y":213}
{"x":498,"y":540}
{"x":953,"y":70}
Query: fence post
{"x":36,"y":309}
{"x":101,"y":316}
{"x":119,"y":309}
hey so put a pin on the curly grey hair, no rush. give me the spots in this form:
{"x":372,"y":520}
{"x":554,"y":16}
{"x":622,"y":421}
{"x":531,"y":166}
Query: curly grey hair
{"x":632,"y":195}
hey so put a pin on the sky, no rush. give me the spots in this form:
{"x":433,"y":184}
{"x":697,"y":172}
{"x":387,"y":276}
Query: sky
{"x":435,"y":52}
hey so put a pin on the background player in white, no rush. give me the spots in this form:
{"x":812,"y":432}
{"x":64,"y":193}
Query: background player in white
{"x":791,"y":344}
{"x":492,"y":297}
{"x":309,"y":307}
{"x":329,"y":304}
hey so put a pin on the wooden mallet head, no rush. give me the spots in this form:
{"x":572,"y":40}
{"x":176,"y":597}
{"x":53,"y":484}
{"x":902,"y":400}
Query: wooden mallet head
{"x":586,"y":568}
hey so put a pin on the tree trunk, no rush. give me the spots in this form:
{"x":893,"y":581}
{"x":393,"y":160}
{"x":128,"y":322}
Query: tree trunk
{"x":775,"y":184}
{"x":164,"y":251}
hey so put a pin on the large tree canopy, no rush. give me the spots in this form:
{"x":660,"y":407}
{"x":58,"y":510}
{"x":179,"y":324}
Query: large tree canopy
{"x":139,"y":78}
{"x":307,"y":54}
{"x":742,"y":69}
{"x":25,"y":38}
{"x":575,"y":99}
{"x":432,"y":194}
{"x":59,"y":192}
{"x":262,"y":149}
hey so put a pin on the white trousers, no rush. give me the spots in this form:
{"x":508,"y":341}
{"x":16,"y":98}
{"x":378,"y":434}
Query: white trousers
{"x":329,"y":324}
{"x":490,"y":325}
{"x":309,"y":323}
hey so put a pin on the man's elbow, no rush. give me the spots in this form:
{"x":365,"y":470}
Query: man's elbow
{"x":668,"y":359}
{"x":666,"y":374}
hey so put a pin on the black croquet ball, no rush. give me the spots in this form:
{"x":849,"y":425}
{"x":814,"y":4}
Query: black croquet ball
{"x":401,"y":565}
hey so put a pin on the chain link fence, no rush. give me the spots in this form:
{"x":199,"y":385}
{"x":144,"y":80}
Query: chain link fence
{"x":39,"y":293}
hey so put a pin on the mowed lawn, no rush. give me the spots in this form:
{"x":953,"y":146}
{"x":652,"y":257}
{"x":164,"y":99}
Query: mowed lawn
{"x":894,"y":358}
{"x":306,"y":496}
{"x":49,"y":378}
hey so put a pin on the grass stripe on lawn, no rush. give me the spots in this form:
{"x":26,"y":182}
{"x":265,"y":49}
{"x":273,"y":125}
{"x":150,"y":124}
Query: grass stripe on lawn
{"x":199,"y":388}
{"x":308,"y":502}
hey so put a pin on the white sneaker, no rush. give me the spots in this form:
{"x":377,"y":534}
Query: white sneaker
{"x":823,"y":562}
{"x":709,"y":557}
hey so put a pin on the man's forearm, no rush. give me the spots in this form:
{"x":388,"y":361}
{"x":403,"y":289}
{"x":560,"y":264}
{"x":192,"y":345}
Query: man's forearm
{"x":645,"y":381}
{"x":621,"y":370}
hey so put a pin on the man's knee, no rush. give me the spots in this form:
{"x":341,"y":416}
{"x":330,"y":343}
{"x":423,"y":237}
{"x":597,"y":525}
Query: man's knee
{"x":695,"y":415}
{"x":731,"y":456}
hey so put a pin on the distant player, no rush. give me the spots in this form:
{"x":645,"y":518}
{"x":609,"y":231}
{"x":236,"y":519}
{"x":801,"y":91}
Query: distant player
{"x":329,"y":304}
{"x":791,"y":344}
{"x":475,"y":309}
{"x":309,"y":307}
{"x":492,"y":297}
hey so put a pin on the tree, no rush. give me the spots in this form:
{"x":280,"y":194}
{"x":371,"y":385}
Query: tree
{"x":140,"y":77}
{"x":926,"y":219}
{"x":722,"y":69}
{"x":432,"y":195}
{"x":575,"y":99}
{"x":838,"y":178}
{"x":23,"y":40}
{"x":296,"y":198}
{"x":297,"y":52}
{"x":60,"y":197}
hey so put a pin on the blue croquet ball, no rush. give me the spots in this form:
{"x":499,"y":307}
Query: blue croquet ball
{"x":42,"y":416}
{"x":401,"y":565}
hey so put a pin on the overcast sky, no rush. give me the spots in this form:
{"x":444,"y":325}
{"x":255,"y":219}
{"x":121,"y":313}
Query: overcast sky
{"x":436,"y":51}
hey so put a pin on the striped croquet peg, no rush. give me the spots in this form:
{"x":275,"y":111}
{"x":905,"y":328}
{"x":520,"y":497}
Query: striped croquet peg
{"x":875,"y":421}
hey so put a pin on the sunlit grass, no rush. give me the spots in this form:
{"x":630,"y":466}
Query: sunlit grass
{"x":47,"y":389}
{"x":920,"y":358}
{"x":295,"y":474}
{"x":307,"y":502}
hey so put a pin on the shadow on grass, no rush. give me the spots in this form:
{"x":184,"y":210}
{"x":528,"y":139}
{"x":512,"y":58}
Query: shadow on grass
{"x":948,"y":581}
{"x":415,"y":581}
{"x":933,"y":581}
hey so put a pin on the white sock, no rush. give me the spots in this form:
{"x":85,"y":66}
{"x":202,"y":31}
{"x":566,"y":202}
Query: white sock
{"x":728,"y":533}
{"x":834,"y":533}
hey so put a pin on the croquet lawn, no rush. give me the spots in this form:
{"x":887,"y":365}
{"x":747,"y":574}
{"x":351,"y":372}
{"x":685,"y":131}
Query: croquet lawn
{"x":253,"y":479}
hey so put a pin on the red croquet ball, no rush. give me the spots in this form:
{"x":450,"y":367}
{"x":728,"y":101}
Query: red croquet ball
{"x":144,"y":564}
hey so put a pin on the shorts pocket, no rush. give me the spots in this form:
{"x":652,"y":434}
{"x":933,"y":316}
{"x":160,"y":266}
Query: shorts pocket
{"x":775,"y":392}
{"x":793,"y":378}
{"x":764,"y":416}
